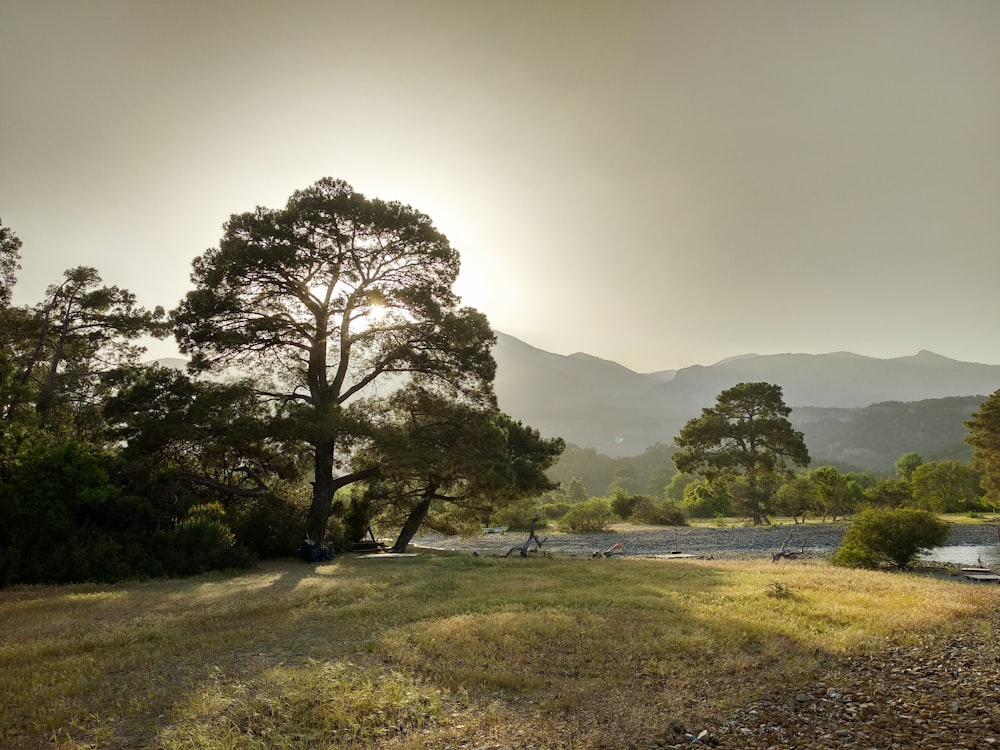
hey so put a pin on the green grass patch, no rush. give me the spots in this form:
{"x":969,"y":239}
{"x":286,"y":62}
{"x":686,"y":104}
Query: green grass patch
{"x":440,"y":649}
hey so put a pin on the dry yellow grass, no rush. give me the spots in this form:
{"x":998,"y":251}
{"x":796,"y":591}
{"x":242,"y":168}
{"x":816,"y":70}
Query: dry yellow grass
{"x":420,"y":652}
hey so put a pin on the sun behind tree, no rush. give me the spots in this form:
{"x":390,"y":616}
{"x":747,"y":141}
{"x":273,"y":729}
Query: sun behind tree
{"x":321,"y":301}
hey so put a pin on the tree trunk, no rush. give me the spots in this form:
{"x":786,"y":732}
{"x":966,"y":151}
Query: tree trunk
{"x":414,"y":520}
{"x":323,"y":489}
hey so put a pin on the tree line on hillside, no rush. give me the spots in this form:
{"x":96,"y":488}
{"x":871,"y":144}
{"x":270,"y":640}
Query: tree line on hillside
{"x":335,"y":384}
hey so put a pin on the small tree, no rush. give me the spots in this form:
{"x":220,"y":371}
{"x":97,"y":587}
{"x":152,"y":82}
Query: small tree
{"x":881,"y":536}
{"x":835,"y":494}
{"x":796,"y":497}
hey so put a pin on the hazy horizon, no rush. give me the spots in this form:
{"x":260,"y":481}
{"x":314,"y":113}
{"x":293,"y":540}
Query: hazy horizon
{"x":656,"y":183}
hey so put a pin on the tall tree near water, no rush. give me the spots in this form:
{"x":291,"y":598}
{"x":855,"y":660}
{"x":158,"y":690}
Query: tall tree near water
{"x":325,"y":300}
{"x":744,"y":441}
{"x":984,"y":437}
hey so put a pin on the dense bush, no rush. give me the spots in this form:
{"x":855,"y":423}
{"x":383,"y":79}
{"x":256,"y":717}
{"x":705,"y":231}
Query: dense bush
{"x":202,"y":541}
{"x":590,"y":516}
{"x":516,"y":515}
{"x":267,"y":526}
{"x":701,"y":501}
{"x":657,"y":512}
{"x":554,"y":511}
{"x":623,"y":503}
{"x":65,"y":519}
{"x":880,"y":536}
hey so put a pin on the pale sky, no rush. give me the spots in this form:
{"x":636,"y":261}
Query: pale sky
{"x":658,"y":183}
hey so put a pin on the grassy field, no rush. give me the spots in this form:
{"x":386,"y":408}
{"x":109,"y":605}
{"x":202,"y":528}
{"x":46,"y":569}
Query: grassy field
{"x":441,"y":649}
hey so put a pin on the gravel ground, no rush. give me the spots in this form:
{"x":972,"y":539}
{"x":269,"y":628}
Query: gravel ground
{"x":938,"y":695}
{"x":740,"y":542}
{"x":941,"y":694}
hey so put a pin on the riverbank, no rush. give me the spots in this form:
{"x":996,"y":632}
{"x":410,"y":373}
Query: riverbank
{"x":726,"y":542}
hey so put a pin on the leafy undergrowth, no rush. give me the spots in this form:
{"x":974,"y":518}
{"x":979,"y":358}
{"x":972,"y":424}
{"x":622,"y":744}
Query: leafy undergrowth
{"x":442,"y":649}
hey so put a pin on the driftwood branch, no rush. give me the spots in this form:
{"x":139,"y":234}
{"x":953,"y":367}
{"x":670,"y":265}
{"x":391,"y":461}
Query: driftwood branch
{"x":532,"y":537}
{"x":785,"y":553}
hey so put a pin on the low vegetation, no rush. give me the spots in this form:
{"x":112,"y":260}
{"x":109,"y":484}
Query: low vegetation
{"x":890,"y":537}
{"x":443,"y":649}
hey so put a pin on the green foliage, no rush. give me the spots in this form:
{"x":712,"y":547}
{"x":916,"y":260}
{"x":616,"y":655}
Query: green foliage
{"x":202,"y":541}
{"x":984,"y":437}
{"x":657,"y":511}
{"x":64,"y":350}
{"x":588,"y":517}
{"x":835,"y":494}
{"x":907,"y":464}
{"x":648,"y":472}
{"x":10,"y":262}
{"x":678,"y":484}
{"x":889,"y":536}
{"x":575,"y":490}
{"x":702,"y":500}
{"x":554,"y":511}
{"x":623,"y":503}
{"x":745,"y":440}
{"x":946,"y":487}
{"x":65,"y":519}
{"x":268,"y":526}
{"x":436,"y":447}
{"x":890,"y":493}
{"x":796,"y":497}
{"x":516,"y":515}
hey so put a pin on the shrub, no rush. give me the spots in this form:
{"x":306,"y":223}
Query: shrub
{"x":554,"y":511}
{"x":593,"y":515}
{"x":202,"y":541}
{"x":268,"y":526}
{"x":658,"y":512}
{"x":623,"y":503}
{"x":65,"y":520}
{"x":895,"y":536}
{"x":516,"y":515}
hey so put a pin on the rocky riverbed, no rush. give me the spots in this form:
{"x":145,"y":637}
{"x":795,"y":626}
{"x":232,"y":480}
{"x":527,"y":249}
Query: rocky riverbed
{"x":733,"y":542}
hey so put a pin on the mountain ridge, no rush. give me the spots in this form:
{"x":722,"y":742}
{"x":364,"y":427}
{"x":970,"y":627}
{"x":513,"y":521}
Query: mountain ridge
{"x":852,"y":408}
{"x":600,"y":404}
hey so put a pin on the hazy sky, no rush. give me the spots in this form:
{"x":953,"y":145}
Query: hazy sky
{"x":659,"y":183}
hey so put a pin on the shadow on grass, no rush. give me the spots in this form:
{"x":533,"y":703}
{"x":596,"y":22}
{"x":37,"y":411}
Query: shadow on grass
{"x":420,"y":651}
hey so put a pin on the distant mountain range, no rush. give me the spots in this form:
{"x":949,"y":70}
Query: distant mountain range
{"x":853,"y":410}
